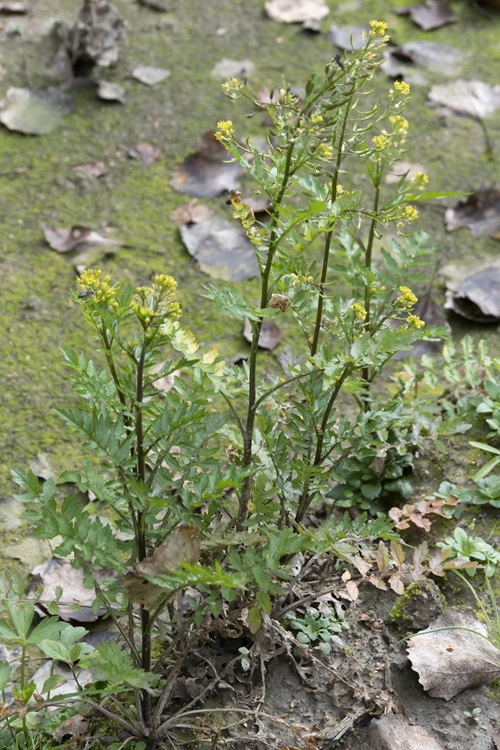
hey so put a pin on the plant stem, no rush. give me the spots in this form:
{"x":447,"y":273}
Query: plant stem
{"x":365,"y":374}
{"x":256,"y":328}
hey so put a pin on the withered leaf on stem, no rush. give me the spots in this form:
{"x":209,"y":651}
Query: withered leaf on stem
{"x":181,"y":545}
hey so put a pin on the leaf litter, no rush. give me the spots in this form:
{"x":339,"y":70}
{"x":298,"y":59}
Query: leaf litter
{"x":473,"y":98}
{"x":479,"y":212}
{"x":34,"y":113}
{"x":269,"y":337}
{"x":222,"y":250}
{"x":145,"y":153}
{"x":478,"y":297}
{"x":64,"y":240}
{"x":452,"y":658}
{"x":296,"y":11}
{"x":432,"y":14}
{"x":439,"y":58}
{"x":207,"y":172}
{"x":150,"y":75}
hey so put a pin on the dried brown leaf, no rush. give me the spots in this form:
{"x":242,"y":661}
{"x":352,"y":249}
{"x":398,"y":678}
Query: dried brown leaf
{"x":452,"y":658}
{"x":430,"y":14}
{"x":145,"y":152}
{"x":181,"y":545}
{"x":296,"y":11}
{"x":208,"y":171}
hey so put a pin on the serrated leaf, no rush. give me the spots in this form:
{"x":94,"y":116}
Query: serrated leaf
{"x":254,"y":620}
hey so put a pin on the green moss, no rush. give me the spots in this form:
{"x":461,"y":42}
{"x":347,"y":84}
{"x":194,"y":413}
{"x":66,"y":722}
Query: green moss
{"x":417,"y":589}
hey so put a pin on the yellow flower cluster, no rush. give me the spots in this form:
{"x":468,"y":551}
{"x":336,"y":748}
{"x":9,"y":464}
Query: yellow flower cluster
{"x":419,"y":179}
{"x":300,"y":279}
{"x":157,"y":302}
{"x":225,"y":130}
{"x":325,"y":151}
{"x":232,"y":88}
{"x":399,"y":124}
{"x":378,"y":28}
{"x":406,"y":299}
{"x":402,"y":87}
{"x":100,"y":289}
{"x":415,"y":321}
{"x":316,"y":118}
{"x":340,"y":190}
{"x":359,"y":311}
{"x":381,"y":141}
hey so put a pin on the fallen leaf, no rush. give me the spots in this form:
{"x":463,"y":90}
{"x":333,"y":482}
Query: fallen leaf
{"x":13,"y":9}
{"x":94,"y":170}
{"x":440,"y":58}
{"x":208,"y":171}
{"x":145,"y":152}
{"x":97,"y":36}
{"x":430,"y":15}
{"x":32,"y":113}
{"x":111,"y":92}
{"x":191,"y":213}
{"x":478,"y":297}
{"x":479,"y":212}
{"x":65,"y":240}
{"x":156,"y":5}
{"x":221,"y":248}
{"x":473,"y":98}
{"x":181,"y":545}
{"x":296,"y":11}
{"x":150,"y":75}
{"x":76,"y":600}
{"x":227,"y":69}
{"x":449,"y":660}
{"x":270,"y":334}
{"x":349,"y":37}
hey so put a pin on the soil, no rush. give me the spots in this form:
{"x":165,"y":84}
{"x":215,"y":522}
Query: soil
{"x":306,"y":695}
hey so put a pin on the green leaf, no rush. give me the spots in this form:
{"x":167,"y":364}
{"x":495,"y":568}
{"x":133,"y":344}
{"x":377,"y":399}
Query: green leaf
{"x":115,"y":666}
{"x":5,"y":673}
{"x":231,"y":303}
{"x":47,"y":629}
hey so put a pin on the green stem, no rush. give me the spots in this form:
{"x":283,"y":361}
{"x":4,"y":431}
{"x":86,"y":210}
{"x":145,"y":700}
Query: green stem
{"x":256,"y":328}
{"x":365,"y":374}
{"x":306,"y":497}
{"x":329,"y":234}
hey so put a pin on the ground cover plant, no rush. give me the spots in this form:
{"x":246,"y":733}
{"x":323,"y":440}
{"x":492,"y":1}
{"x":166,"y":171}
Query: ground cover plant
{"x":209,"y":489}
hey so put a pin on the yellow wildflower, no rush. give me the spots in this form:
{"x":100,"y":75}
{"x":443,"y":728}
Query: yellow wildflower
{"x":406,"y":299}
{"x":359,"y":311}
{"x":99,"y":290}
{"x":378,"y":28}
{"x":381,"y":141}
{"x":402,"y":87}
{"x":340,"y":190}
{"x":415,"y":321}
{"x":316,"y":118}
{"x":325,"y":151}
{"x":400,"y":124}
{"x":224,"y":130}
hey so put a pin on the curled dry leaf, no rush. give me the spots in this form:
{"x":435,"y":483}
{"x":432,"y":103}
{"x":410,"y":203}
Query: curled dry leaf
{"x":270,"y":334}
{"x":207,"y":172}
{"x":450,"y":660}
{"x":417,"y":513}
{"x":431,"y":14}
{"x":145,"y":152}
{"x":296,"y":11}
{"x":479,"y":212}
{"x":222,"y":250}
{"x":473,"y":98}
{"x":181,"y":545}
{"x":64,"y":240}
{"x":76,"y":600}
{"x":478,"y":297}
